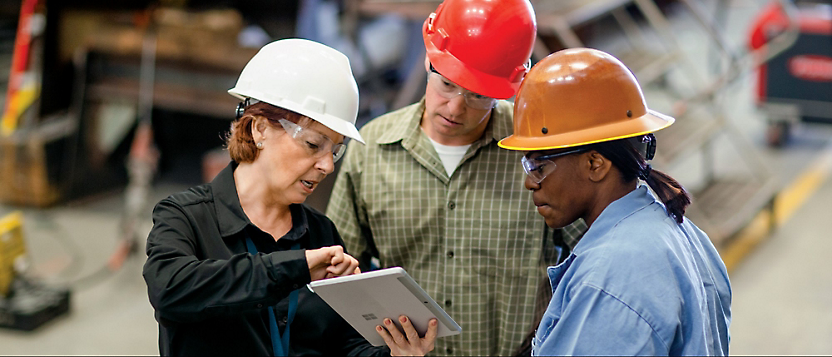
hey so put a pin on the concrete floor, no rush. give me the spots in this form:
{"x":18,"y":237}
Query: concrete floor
{"x":782,"y":290}
{"x":110,"y":313}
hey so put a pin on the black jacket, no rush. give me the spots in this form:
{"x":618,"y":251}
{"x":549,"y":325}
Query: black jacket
{"x":211,"y":296}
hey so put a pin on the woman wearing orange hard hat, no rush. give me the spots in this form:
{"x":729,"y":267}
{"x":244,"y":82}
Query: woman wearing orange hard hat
{"x":643,"y":280}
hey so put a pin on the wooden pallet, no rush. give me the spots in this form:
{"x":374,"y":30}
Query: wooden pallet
{"x":24,"y":173}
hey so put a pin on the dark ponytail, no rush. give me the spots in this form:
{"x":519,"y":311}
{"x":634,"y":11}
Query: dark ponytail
{"x":671,"y":192}
{"x":627,"y":156}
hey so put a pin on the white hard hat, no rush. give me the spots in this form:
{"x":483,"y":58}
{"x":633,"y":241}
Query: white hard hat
{"x":305,"y":77}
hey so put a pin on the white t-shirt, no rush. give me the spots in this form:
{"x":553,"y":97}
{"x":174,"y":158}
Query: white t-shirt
{"x":450,"y":155}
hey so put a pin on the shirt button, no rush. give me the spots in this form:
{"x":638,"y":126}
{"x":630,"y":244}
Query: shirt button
{"x":451,"y":254}
{"x":259,"y":306}
{"x":295,"y":286}
{"x":285,"y":319}
{"x":451,"y":205}
{"x":448,"y":303}
{"x":449,"y":350}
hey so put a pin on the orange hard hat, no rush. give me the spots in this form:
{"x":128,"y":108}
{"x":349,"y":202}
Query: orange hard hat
{"x":484,"y":46}
{"x":576,"y":97}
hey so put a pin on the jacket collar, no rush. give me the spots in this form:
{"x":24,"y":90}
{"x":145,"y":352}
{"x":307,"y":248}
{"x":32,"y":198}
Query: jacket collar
{"x":230,"y":215}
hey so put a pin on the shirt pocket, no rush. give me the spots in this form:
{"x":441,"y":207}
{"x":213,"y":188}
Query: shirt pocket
{"x":542,"y":333}
{"x":505,"y":249}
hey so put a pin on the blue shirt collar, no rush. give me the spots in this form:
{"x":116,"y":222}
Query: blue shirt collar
{"x":619,"y":209}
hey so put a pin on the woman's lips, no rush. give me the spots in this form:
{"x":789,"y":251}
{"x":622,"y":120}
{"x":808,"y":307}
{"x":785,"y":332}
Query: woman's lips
{"x":308,"y":185}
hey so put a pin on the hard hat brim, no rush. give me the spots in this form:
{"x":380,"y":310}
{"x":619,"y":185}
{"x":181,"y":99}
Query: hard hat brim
{"x":650,"y":122}
{"x":337,"y":125}
{"x":466,"y":76}
{"x":474,"y":80}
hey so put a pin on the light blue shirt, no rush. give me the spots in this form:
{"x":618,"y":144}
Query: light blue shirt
{"x":638,"y":283}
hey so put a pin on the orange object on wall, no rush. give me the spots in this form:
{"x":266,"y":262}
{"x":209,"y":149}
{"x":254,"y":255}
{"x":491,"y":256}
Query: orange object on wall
{"x":23,"y":89}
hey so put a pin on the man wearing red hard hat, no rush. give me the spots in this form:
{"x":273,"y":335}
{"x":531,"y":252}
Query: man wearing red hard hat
{"x":433,"y":193}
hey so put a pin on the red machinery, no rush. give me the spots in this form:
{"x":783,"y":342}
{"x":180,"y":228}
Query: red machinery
{"x":795,"y":84}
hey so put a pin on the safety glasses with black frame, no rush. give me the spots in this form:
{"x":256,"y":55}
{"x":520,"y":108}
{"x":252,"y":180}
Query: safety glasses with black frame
{"x":539,"y":167}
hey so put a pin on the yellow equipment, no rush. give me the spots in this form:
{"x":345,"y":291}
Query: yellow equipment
{"x":25,"y":304}
{"x":12,"y":248}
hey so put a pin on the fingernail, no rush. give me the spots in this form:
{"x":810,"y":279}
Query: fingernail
{"x":379,"y":328}
{"x":387,"y":321}
{"x":433,"y":322}
{"x":403,"y":319}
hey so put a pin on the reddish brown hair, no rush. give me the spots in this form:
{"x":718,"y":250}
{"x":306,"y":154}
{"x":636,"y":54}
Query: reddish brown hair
{"x":238,"y":141}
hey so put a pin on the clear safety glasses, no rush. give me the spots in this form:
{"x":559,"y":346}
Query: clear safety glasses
{"x":315,"y":143}
{"x":540,"y":167}
{"x":449,"y":90}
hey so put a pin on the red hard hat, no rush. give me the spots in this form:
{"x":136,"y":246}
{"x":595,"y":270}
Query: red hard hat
{"x":482,"y":45}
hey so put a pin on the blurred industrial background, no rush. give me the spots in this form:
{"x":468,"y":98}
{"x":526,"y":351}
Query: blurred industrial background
{"x":112,"y":106}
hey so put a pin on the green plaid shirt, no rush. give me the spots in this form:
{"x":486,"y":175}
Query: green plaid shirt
{"x":473,"y":241}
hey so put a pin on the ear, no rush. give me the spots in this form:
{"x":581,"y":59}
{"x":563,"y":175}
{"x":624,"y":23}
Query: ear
{"x":599,"y":166}
{"x":258,"y":127}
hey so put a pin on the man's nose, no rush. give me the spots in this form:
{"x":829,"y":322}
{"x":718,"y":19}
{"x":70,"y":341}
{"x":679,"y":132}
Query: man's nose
{"x":457,"y":105}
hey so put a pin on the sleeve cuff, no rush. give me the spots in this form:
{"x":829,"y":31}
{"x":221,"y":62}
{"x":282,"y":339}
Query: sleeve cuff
{"x":289,"y":266}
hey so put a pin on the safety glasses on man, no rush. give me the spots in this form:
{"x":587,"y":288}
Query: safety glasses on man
{"x":315,"y":143}
{"x":450,"y":90}
{"x":539,"y":167}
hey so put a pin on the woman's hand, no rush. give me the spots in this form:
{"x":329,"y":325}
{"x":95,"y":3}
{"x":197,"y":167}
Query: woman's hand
{"x":330,"y":262}
{"x":409,"y":343}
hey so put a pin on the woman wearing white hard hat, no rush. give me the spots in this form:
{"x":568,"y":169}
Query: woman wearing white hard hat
{"x":228,"y":261}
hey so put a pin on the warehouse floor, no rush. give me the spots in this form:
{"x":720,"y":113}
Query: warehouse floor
{"x":781,"y":283}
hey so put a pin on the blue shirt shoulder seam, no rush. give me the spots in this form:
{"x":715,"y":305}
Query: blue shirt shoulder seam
{"x":590,"y":285}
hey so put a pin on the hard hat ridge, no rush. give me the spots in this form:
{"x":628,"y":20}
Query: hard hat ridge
{"x":577,"y":97}
{"x":305,"y":77}
{"x":484,"y":46}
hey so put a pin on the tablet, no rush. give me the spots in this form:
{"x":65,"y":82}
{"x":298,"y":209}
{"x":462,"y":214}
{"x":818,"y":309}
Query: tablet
{"x":365,"y":299}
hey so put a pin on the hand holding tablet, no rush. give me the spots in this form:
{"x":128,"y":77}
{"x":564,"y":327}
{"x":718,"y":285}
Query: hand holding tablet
{"x":408,"y":342}
{"x":366,"y":300}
